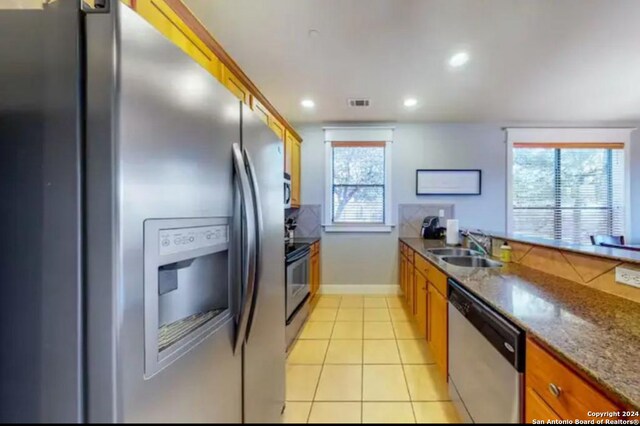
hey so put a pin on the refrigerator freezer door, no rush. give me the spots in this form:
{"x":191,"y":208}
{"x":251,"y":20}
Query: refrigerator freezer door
{"x":41,"y":263}
{"x":264,"y":351}
{"x":177,"y":124}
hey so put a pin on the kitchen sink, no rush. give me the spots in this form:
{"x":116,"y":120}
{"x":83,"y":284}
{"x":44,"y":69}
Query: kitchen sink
{"x":453,"y":252}
{"x":471,"y":261}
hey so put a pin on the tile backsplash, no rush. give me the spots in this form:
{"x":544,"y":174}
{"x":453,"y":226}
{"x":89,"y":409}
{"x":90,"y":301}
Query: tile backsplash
{"x":309,"y":218}
{"x":410,"y":217}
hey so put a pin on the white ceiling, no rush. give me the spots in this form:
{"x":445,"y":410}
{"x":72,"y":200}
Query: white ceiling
{"x":531,"y":60}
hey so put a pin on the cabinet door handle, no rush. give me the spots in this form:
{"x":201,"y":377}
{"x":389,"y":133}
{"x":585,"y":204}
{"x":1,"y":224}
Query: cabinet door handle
{"x":554,"y":389}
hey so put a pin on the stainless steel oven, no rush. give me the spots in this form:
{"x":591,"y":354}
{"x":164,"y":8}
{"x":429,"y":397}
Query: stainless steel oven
{"x":297,"y":287}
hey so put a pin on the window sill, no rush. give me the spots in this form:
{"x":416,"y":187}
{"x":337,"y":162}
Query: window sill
{"x":358,"y":228}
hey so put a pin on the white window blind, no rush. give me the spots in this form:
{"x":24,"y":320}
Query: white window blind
{"x":568,"y":191}
{"x":358,"y":187}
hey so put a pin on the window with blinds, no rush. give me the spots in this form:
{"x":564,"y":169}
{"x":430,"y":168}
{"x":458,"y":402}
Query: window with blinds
{"x":358,"y":186}
{"x":568,"y":191}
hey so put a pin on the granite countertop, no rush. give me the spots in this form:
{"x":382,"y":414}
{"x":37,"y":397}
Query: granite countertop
{"x":608,"y":252}
{"x":596,"y":332}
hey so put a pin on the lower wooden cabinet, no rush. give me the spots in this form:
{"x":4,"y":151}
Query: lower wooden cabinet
{"x":401,"y":273}
{"x":409,"y":287}
{"x":426,"y":300}
{"x":421,"y":284}
{"x":555,"y":389}
{"x":536,"y":409}
{"x":437,"y":327}
{"x":314,"y":275}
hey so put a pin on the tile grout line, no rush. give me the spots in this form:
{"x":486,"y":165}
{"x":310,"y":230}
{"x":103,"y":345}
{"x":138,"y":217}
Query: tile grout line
{"x":321,"y":368}
{"x":362,"y":340}
{"x":406,"y":381}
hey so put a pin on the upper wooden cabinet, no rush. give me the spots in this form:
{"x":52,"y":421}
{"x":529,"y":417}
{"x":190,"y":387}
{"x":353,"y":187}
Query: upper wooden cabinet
{"x":293,"y":166}
{"x":277,"y":127}
{"x":162,"y":16}
{"x":260,"y":110}
{"x":266,"y":116}
{"x":173,"y":19}
{"x":296,"y":178}
{"x":235,"y":85}
{"x":288,"y":146}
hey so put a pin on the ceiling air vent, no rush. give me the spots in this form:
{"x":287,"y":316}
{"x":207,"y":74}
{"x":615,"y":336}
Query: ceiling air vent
{"x":358,"y":103}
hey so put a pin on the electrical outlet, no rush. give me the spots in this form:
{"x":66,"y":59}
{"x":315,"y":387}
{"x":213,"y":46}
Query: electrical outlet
{"x":628,"y":276}
{"x":441,"y":214}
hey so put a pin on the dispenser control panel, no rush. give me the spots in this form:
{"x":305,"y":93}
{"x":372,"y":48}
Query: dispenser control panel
{"x":173,"y":241}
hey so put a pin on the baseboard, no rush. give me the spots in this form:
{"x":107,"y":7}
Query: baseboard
{"x":359,"y":289}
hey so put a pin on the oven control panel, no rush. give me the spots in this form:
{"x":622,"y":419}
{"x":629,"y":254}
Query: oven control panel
{"x":173,"y":241}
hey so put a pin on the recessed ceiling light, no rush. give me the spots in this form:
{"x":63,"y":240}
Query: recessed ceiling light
{"x":307,"y":103}
{"x":313,"y":33}
{"x":459,"y":59}
{"x":410,"y":102}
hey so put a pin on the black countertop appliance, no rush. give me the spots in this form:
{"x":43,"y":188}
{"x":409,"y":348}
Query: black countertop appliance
{"x":431,"y":229}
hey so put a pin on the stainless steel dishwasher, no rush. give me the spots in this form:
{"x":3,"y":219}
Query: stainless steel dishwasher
{"x":486,"y":361}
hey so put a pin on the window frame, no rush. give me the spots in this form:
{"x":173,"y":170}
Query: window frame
{"x":363,"y":136}
{"x":558,"y":208}
{"x":567,"y":137}
{"x":335,"y":145}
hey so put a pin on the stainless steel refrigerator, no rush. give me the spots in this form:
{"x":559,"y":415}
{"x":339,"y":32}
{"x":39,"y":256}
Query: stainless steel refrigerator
{"x":142,"y":278}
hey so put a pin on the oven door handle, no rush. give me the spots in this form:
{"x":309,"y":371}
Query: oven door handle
{"x":298,"y":256}
{"x":248,"y":250}
{"x":259,"y":230}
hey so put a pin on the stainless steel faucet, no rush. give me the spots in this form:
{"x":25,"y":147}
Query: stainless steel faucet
{"x":483,"y":245}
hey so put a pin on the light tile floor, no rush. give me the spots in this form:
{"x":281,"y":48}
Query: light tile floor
{"x":359,"y":359}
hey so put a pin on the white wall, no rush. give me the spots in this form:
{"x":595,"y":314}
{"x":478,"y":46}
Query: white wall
{"x":372,"y":258}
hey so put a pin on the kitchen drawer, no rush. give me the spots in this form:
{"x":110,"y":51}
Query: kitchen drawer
{"x":438,"y":279}
{"x":422,"y":265}
{"x":536,"y":409}
{"x":409,"y":253}
{"x":564,"y":391}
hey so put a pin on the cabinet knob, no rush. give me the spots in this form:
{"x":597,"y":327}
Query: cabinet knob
{"x":554,"y":389}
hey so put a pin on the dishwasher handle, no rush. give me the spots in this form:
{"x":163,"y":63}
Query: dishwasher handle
{"x":507,"y":338}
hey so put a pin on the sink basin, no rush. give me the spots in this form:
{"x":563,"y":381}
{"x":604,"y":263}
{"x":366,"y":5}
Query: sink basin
{"x":453,"y":252}
{"x":471,"y":261}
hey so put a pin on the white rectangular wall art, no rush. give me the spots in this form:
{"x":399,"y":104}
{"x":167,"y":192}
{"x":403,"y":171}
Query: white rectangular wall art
{"x":448,"y":182}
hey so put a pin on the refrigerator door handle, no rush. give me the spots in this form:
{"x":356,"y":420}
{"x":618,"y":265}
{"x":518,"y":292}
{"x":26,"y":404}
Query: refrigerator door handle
{"x":249,"y":250}
{"x":259,"y":228}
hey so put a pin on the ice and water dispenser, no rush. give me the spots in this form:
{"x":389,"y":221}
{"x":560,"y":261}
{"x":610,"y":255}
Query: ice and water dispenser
{"x":186,"y":285}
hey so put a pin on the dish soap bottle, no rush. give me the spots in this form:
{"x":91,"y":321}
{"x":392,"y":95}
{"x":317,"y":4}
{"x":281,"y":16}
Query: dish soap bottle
{"x":505,"y":252}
